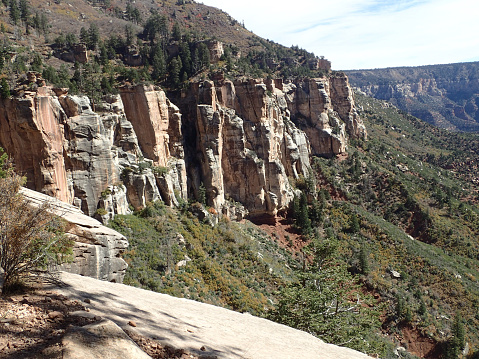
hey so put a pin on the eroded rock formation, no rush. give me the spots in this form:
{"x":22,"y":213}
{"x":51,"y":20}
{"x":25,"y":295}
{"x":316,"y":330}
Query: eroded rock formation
{"x":97,"y":248}
{"x":249,"y":136}
{"x":443,"y":95}
{"x":242,"y":140}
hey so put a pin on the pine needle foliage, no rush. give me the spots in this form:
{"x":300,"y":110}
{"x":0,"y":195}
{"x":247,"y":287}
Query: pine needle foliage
{"x":326,"y":301}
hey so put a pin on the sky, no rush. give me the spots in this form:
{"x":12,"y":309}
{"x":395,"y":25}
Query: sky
{"x":366,"y":34}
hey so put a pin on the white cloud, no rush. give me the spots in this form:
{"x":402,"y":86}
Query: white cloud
{"x":367,"y":33}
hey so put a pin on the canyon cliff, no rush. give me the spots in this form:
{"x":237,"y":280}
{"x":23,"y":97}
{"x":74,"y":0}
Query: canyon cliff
{"x":444,"y":95}
{"x":243,"y":141}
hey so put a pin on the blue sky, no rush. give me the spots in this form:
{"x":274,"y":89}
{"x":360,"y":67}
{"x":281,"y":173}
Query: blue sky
{"x":364,"y":34}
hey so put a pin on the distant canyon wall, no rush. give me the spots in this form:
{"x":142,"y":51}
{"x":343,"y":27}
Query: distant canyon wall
{"x":443,"y":95}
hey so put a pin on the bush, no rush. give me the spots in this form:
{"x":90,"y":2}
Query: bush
{"x":31,"y":237}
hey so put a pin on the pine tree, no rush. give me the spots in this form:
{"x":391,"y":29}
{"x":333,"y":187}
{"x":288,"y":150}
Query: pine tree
{"x":158,"y":63}
{"x":14,"y":12}
{"x":174,"y":71}
{"x":24,"y":10}
{"x":176,"y":32}
{"x":457,"y":342}
{"x":4,"y":88}
{"x":129,"y":34}
{"x":185,"y":56}
{"x":93,"y":36}
{"x":326,"y":300}
{"x":354,"y":226}
{"x":84,"y":36}
{"x":363,"y":261}
{"x":303,"y":222}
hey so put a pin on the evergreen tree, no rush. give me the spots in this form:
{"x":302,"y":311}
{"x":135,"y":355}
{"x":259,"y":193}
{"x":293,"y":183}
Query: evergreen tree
{"x":457,"y":342}
{"x":70,"y":39}
{"x":363,"y":261}
{"x":14,"y":12}
{"x":158,"y":63}
{"x":303,"y":222}
{"x":326,"y":300}
{"x":174,"y":71}
{"x":103,"y":57}
{"x":316,"y":212}
{"x":354,"y":226}
{"x":185,"y":55}
{"x":129,"y":35}
{"x":203,"y":55}
{"x":24,"y":10}
{"x":84,"y":36}
{"x":176,"y":32}
{"x":93,"y":36}
{"x":4,"y":88}
{"x":37,"y":63}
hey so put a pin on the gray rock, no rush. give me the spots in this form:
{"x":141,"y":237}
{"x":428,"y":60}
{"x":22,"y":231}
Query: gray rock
{"x":97,"y":248}
{"x":103,"y":340}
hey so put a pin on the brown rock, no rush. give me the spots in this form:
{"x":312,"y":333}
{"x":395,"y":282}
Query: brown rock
{"x":132,"y":323}
{"x":56,"y":315}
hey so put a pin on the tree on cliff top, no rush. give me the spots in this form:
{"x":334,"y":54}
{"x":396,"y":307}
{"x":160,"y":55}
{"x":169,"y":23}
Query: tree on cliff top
{"x":31,"y":237}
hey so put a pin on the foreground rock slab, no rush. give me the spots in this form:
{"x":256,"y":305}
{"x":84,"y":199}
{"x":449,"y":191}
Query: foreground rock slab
{"x":103,"y":340}
{"x":199,"y":328}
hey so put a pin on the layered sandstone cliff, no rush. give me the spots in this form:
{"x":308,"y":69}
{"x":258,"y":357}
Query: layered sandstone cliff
{"x":242,"y":140}
{"x":249,"y":137}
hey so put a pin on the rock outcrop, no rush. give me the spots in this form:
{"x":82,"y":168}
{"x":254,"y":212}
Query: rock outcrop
{"x":103,"y":339}
{"x":201,"y":329}
{"x":97,"y":248}
{"x":158,"y":125}
{"x":242,"y":140}
{"x":248,"y":137}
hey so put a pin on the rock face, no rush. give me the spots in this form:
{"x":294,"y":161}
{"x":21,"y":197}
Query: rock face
{"x":443,"y":95}
{"x":242,"y":141}
{"x":249,"y":136}
{"x":158,"y":125}
{"x":97,"y":248}
{"x":187,"y":324}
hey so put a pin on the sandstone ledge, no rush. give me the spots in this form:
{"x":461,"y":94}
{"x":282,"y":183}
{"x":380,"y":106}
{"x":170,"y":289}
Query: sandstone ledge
{"x":191,"y":325}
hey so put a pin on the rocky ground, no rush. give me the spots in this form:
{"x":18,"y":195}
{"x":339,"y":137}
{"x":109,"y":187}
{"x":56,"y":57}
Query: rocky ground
{"x":34,"y":321}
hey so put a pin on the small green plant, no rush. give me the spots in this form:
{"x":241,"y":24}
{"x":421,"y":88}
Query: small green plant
{"x":105,"y":193}
{"x":160,"y":171}
{"x":101,"y":211}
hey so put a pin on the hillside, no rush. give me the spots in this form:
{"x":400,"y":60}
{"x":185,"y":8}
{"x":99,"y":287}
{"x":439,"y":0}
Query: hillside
{"x":248,"y":175}
{"x":443,"y":95}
